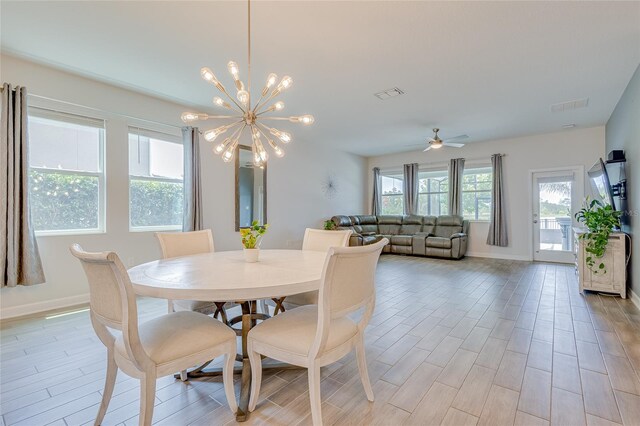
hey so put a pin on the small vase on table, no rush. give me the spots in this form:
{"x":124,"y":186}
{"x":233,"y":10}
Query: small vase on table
{"x":251,"y":238}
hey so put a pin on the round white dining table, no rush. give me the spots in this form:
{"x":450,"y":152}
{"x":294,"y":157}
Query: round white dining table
{"x":226,"y":276}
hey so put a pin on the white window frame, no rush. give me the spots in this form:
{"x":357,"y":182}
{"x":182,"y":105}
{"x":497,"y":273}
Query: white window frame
{"x":165,"y":137}
{"x":66,"y":117}
{"x":471,"y":169}
{"x":392,"y":174}
{"x":429,"y":193}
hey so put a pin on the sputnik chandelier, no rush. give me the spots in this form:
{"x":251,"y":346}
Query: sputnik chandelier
{"x":247,"y":115}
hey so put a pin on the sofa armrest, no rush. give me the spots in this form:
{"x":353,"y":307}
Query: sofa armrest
{"x":458,"y":245}
{"x":418,"y":243}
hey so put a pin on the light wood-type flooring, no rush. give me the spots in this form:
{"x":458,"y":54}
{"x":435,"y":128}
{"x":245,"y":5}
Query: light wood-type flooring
{"x":476,"y":341}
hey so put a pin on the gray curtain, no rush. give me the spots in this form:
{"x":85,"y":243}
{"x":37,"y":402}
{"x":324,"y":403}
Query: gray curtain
{"x":192,"y":220}
{"x":19,"y":257}
{"x":498,"y":227}
{"x":410,"y":188}
{"x":456,"y":171}
{"x":376,"y":205}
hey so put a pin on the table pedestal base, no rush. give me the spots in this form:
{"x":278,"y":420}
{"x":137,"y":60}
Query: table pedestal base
{"x":248,"y":319}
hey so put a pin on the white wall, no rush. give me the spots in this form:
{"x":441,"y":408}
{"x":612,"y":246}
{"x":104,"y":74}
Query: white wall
{"x":568,"y":148}
{"x":295,"y":194}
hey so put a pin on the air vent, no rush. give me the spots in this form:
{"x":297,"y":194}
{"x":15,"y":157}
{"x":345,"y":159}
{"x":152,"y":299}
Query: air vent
{"x":390,"y":93}
{"x":569,"y":105}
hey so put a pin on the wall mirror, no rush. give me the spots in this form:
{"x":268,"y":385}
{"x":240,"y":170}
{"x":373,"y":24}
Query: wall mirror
{"x":251,"y":189}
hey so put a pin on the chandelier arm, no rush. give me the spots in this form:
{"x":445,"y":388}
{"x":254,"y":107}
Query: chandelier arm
{"x":223,"y":90}
{"x":263,"y":125}
{"x":262,"y":132}
{"x":275,"y":118}
{"x":266,"y":101}
{"x":213,"y":117}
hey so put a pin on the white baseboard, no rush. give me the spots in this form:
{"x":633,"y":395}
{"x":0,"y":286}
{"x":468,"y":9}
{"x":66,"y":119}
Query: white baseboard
{"x":634,"y":298}
{"x":499,"y":256}
{"x":34,"y":308}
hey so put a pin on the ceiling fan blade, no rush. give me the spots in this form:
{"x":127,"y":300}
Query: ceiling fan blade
{"x":459,"y":137}
{"x":428,"y":148}
{"x":453,"y":145}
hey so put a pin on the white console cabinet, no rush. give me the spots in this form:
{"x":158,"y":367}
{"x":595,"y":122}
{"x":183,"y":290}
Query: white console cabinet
{"x":615,"y":260}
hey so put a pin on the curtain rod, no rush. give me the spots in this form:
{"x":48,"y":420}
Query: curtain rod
{"x":102,"y":111}
{"x":398,"y":168}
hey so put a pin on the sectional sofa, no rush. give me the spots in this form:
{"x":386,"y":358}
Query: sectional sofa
{"x":442,"y":236}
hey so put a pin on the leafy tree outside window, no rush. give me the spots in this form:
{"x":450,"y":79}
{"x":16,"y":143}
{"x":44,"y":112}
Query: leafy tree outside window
{"x":66,"y":178}
{"x":155,"y":180}
{"x":476,"y":193}
{"x":392,"y":195}
{"x":433,"y":193}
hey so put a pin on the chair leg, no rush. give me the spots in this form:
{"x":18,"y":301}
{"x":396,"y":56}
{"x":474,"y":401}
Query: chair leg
{"x":147,"y":397}
{"x":227,"y":378}
{"x":256,"y":378}
{"x":314,"y":395}
{"x":109,"y":383}
{"x":362,"y":368}
{"x":184,"y":376}
{"x":170,"y":307}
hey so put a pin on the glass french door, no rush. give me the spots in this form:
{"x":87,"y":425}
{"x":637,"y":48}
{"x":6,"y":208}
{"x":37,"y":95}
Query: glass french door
{"x":557,"y":194}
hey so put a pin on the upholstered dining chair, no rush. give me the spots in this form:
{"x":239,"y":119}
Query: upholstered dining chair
{"x":155,"y":348}
{"x":313,"y":336}
{"x":176,"y":244}
{"x":317,"y":240}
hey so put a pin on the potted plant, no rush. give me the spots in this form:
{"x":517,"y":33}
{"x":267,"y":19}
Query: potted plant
{"x":329,"y":225}
{"x":251,"y":238}
{"x":600,"y":219}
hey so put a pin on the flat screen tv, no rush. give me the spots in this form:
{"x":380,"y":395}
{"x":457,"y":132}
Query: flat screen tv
{"x":600,"y":184}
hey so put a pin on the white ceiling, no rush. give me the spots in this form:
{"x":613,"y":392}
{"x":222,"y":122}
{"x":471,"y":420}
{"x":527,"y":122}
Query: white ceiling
{"x":487,"y":69}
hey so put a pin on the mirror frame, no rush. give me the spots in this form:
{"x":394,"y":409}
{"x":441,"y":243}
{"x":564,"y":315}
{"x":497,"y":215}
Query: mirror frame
{"x":264,"y":178}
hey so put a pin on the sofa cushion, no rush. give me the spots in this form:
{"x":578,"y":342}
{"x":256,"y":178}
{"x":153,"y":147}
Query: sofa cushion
{"x":447,"y":226}
{"x":365,"y":224}
{"x":411,"y":224}
{"x":389,"y":225}
{"x":449,"y":220}
{"x":428,"y":224}
{"x":439,"y":242}
{"x":370,"y":239}
{"x":401,"y":240}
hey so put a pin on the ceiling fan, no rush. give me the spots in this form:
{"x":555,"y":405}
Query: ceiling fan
{"x":436,"y":143}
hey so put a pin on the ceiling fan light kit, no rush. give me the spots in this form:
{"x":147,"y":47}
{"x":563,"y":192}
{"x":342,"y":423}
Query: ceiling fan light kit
{"x":436,"y":143}
{"x":245,"y":114}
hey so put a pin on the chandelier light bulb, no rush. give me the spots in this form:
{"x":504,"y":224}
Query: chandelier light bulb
{"x":221,"y":102}
{"x":208,"y":75}
{"x":221,"y":146}
{"x":191,"y":117}
{"x":262,"y":153}
{"x":233,"y":69}
{"x":227,"y":155}
{"x":279,"y":106}
{"x":271,"y":80}
{"x":303,"y":119}
{"x":283,"y":136}
{"x":285,"y":83}
{"x":211,"y":135}
{"x":243,"y":97}
{"x":276,"y":149}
